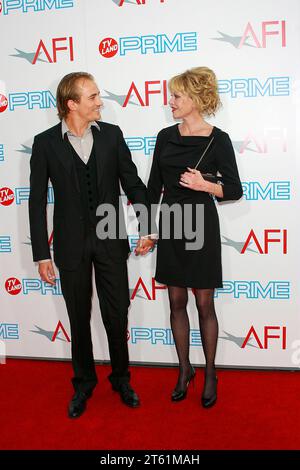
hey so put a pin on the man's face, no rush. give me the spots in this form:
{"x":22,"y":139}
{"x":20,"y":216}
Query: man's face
{"x":89,"y":104}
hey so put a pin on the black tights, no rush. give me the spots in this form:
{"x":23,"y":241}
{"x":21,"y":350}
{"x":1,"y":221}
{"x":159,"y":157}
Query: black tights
{"x":178,"y":297}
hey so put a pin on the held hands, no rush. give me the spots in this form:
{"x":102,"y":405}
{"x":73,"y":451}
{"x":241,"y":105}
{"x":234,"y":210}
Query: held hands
{"x":192,"y":179}
{"x":144,"y":245}
{"x":46,"y":271}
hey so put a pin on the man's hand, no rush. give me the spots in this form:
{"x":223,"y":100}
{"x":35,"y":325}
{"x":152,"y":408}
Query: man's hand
{"x":46,"y":271}
{"x":144,"y":245}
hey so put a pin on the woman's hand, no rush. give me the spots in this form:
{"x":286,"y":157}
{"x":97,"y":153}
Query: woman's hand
{"x":144,"y":245}
{"x":192,"y":179}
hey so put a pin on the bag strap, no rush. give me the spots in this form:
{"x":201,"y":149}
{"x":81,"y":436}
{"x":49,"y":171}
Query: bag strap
{"x":203,"y":154}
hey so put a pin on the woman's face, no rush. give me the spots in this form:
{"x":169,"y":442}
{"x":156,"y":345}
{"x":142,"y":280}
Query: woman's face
{"x":181,"y":105}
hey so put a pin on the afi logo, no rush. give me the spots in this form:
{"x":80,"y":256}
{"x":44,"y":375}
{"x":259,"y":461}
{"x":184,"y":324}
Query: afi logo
{"x":6,"y":196}
{"x":266,"y":29}
{"x":258,"y":37}
{"x":153,"y":87}
{"x":264,"y":248}
{"x":13,"y":286}
{"x":120,"y":3}
{"x":53,"y":335}
{"x":151,"y":293}
{"x":3,"y":103}
{"x":57,"y":44}
{"x":60,"y":327}
{"x":273,"y":137}
{"x":267,"y":334}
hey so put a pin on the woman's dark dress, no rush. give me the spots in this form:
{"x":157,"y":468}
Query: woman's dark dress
{"x":177,"y":266}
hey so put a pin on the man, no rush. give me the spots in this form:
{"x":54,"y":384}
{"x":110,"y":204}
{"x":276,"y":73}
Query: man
{"x":85,"y":159}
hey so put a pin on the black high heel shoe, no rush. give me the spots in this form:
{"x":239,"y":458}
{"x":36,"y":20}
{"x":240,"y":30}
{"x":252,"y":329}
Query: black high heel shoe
{"x":181,"y":394}
{"x":210,"y":401}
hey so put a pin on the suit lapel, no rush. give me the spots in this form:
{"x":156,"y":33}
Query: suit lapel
{"x":64,"y":153}
{"x":100,"y":152}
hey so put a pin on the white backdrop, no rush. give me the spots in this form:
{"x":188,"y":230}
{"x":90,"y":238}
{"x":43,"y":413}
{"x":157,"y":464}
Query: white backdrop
{"x":254,"y":49}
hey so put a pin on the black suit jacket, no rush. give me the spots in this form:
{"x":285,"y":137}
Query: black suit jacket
{"x":52,"y":159}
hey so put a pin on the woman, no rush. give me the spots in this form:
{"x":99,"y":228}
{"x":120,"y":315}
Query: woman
{"x":194,"y":95}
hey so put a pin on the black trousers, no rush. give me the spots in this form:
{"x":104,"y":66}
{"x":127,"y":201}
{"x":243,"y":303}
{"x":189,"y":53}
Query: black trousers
{"x":111,"y":280}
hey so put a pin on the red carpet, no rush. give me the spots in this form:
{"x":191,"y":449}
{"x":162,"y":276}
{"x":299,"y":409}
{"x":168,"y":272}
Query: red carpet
{"x":255,"y":410}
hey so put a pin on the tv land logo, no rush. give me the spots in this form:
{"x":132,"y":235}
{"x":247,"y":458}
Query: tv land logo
{"x":259,"y":36}
{"x":3,"y":103}
{"x":49,"y":52}
{"x":7,"y":196}
{"x":13,"y":286}
{"x":154,"y":44}
{"x":59,"y":333}
{"x":270,"y":236}
{"x":30,"y":6}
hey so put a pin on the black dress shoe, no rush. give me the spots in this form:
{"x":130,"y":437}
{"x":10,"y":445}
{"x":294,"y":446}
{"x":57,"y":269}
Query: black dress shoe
{"x":77,"y":405}
{"x":178,"y":395}
{"x":210,"y":401}
{"x":128,"y":395}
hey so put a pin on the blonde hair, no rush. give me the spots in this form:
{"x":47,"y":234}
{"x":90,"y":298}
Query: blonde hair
{"x":200,"y":84}
{"x":67,"y":90}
